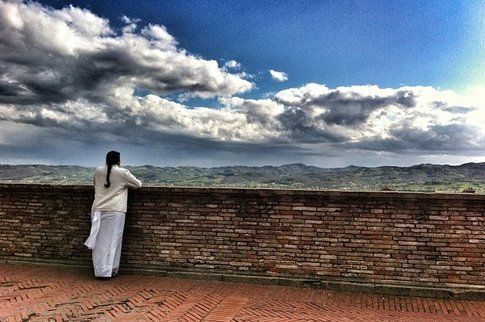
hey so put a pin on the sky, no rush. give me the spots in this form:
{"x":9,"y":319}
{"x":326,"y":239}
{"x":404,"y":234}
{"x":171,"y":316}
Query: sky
{"x":325,"y":83}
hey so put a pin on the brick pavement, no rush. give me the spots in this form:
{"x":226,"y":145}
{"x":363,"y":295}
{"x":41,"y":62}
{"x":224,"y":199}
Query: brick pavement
{"x":47,"y":293}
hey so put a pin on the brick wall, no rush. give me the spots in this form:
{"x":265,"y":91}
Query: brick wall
{"x":379,"y":237}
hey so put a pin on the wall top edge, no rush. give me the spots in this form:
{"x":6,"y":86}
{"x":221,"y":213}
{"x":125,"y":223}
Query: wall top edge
{"x":258,"y":191}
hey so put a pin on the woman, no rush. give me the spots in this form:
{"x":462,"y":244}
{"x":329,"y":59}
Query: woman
{"x":111,"y":183}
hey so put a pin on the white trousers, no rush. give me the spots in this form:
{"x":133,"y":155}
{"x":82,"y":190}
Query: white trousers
{"x":105,"y":241}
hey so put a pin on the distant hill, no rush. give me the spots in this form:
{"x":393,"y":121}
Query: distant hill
{"x":423,"y":177}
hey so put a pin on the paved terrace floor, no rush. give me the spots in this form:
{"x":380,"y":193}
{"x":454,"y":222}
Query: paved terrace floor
{"x":46,"y":293}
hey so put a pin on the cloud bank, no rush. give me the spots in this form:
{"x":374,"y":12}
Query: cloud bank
{"x":69,"y":73}
{"x":52,"y":56}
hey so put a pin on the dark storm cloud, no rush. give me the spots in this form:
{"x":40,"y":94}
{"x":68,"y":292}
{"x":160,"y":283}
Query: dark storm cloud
{"x":356,"y":109}
{"x":62,"y":146}
{"x":454,"y":109}
{"x":51,"y":56}
{"x":437,"y":138}
{"x":302,"y":127}
{"x":351,"y":106}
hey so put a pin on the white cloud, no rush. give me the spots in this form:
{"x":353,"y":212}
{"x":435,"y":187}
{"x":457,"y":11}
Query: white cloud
{"x":85,"y":56}
{"x":131,"y":24}
{"x":232,"y":64}
{"x":278,"y":76}
{"x":69,"y":70}
{"x":370,"y":117}
{"x":358,"y":117}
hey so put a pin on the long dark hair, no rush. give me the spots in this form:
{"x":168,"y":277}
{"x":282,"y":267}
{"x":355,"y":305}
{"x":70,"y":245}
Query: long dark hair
{"x":112,"y":158}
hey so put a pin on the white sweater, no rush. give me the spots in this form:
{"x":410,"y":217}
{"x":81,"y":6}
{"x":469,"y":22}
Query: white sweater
{"x":115,"y":197}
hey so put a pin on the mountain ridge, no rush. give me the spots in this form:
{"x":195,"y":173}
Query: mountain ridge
{"x":420,"y":177}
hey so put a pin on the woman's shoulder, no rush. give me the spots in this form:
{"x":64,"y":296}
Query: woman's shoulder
{"x":100,"y":168}
{"x":119,"y":169}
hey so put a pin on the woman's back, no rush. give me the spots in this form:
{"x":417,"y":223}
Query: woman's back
{"x":111,"y":183}
{"x":115,"y":197}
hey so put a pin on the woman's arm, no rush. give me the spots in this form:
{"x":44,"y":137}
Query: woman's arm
{"x":131,"y":180}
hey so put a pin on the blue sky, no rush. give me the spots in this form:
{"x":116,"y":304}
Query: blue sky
{"x":338,"y":43}
{"x":368,"y":82}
